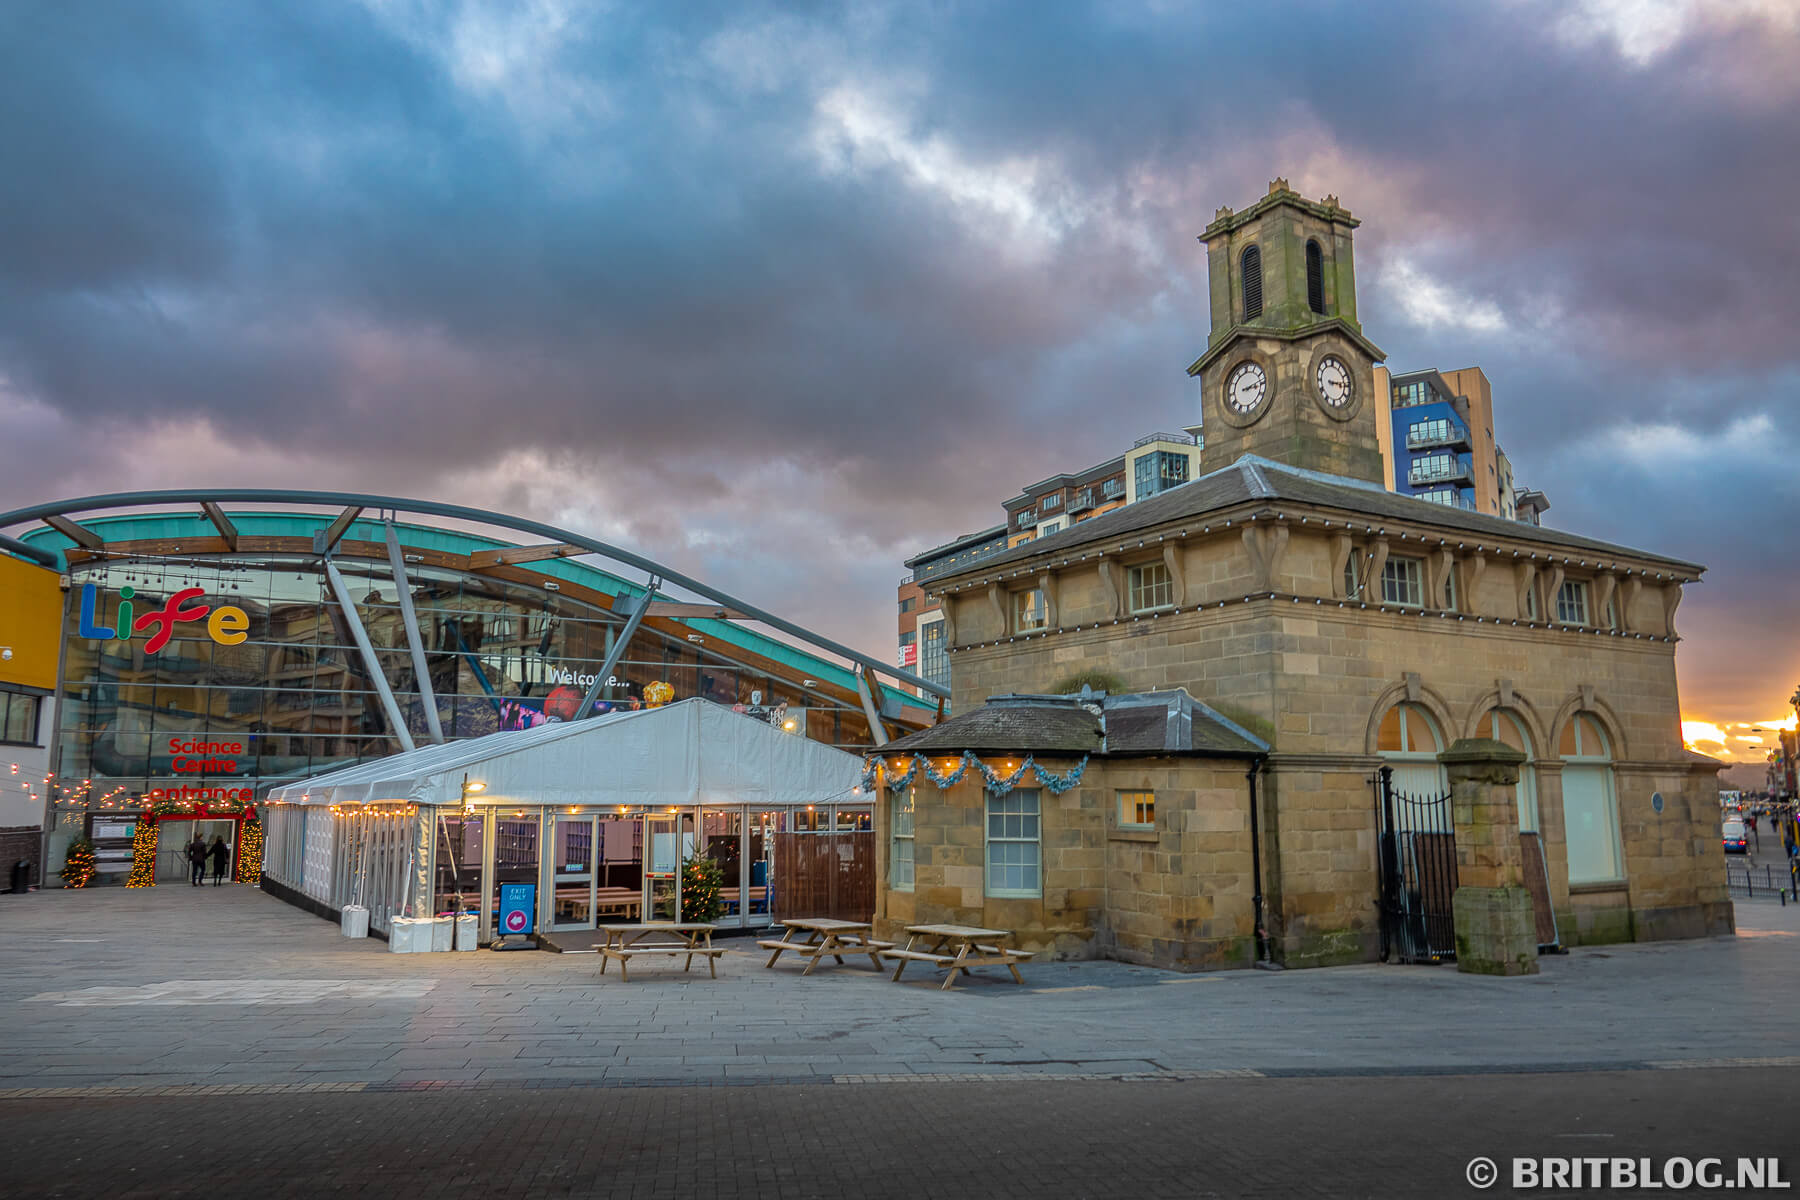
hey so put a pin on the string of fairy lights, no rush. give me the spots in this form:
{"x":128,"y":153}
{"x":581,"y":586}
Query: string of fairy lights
{"x":70,"y":795}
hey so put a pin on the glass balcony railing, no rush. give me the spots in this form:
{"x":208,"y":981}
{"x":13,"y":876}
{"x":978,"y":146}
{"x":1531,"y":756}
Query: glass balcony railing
{"x":1428,"y":434}
{"x":1428,"y":471}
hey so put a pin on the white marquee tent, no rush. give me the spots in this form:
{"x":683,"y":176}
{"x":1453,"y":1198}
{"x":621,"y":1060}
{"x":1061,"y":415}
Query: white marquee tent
{"x":693,"y":752}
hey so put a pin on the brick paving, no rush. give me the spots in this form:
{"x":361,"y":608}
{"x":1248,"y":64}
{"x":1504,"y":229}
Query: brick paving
{"x":1388,"y":1136}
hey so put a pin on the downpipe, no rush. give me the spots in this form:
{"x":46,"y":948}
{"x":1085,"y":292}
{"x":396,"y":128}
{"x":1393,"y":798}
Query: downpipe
{"x":1262,"y":961}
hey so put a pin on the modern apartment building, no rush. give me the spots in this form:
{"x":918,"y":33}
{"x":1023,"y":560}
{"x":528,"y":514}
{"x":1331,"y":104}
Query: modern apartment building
{"x":922,"y":648}
{"x":1437,"y":441}
{"x":1155,"y":463}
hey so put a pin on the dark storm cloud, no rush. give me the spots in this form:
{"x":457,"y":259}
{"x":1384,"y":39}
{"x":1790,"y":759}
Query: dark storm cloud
{"x":685,"y":266}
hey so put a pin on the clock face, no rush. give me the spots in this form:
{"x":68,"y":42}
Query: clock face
{"x":1244,"y":389}
{"x":1334,"y":381}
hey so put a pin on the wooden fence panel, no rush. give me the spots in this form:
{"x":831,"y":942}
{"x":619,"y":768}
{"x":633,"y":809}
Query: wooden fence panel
{"x":825,"y":875}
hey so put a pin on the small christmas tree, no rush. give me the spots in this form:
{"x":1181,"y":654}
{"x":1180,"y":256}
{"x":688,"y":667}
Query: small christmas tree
{"x":700,"y":882}
{"x":250,"y":851}
{"x":78,"y":870}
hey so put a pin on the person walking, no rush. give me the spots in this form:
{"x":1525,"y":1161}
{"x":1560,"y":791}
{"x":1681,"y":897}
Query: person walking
{"x":196,"y":853}
{"x":221,"y":854}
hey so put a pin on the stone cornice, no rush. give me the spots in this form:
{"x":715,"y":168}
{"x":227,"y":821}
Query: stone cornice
{"x":1224,"y":221}
{"x":1282,"y":333}
{"x":1289,"y":604}
{"x":1402,"y":536}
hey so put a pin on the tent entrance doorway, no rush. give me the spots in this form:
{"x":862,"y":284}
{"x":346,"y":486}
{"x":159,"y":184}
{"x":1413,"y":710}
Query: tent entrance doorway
{"x":173,"y":836}
{"x":596,"y":870}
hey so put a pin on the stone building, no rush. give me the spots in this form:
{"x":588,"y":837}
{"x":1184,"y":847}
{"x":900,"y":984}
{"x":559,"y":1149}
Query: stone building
{"x":1347,"y":628}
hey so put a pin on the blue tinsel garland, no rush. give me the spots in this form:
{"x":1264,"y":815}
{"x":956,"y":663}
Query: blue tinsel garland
{"x":995,"y":782}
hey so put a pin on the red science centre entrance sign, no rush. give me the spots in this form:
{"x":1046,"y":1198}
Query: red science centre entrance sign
{"x":226,"y":624}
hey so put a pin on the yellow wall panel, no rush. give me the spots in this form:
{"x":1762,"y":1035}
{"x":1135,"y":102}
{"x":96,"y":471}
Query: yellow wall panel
{"x":31,"y":608}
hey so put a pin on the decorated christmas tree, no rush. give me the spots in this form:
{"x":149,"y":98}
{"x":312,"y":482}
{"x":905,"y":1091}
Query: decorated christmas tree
{"x":78,"y":870}
{"x":250,"y":851}
{"x":700,"y":877}
{"x":143,"y":853}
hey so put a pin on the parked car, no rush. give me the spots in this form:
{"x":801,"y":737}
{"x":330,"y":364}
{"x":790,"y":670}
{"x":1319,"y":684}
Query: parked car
{"x":1736,"y":838}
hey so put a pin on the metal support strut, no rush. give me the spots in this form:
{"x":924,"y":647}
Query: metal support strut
{"x":361,"y":637}
{"x":639,"y":605}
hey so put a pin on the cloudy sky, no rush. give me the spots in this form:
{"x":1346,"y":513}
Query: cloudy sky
{"x":784,"y":294}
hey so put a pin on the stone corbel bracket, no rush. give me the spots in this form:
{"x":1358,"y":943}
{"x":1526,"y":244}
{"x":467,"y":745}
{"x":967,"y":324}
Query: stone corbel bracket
{"x":1341,"y":549}
{"x":1633,"y":585}
{"x":1047,"y":585}
{"x":1109,"y":583}
{"x":1172,"y":560}
{"x":1266,"y":544}
{"x":1671,"y":599}
{"x":1524,"y":579}
{"x":1473,"y":567}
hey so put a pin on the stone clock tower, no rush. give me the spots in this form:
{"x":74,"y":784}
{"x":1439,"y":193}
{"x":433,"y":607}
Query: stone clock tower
{"x":1287,"y":373}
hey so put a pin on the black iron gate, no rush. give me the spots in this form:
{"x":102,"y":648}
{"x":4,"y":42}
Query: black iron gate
{"x":1418,"y":874}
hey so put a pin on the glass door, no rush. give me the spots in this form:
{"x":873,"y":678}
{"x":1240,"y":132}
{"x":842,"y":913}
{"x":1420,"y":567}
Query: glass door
{"x":721,"y":839}
{"x":668,"y":839}
{"x":573,"y":873}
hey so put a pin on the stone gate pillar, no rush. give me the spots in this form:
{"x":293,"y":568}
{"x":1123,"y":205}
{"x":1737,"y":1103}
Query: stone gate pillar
{"x":1496,"y":933}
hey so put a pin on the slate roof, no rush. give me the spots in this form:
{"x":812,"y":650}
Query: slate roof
{"x":1252,"y":478}
{"x":1138,"y":724}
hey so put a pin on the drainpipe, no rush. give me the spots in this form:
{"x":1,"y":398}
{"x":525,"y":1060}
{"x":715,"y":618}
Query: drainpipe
{"x":1262,"y":935}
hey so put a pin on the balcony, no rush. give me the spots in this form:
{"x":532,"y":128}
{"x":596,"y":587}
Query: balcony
{"x":1449,"y":435}
{"x":1113,"y":489}
{"x":1028,"y":518}
{"x":1081,"y":502}
{"x":1448,"y":497}
{"x":1180,"y":439}
{"x":1427,"y":472}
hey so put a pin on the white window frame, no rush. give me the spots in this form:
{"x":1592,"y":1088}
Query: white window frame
{"x":1035,"y":842}
{"x":1353,"y":575}
{"x":1131,"y":807}
{"x":902,"y":868}
{"x":1414,"y":581}
{"x":1053,"y":500}
{"x":1137,"y":590}
{"x":1023,"y":608}
{"x":1049,"y":527}
{"x":1572,"y":603}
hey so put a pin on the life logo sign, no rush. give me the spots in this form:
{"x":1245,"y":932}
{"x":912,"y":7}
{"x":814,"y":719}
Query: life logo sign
{"x":227,"y":624}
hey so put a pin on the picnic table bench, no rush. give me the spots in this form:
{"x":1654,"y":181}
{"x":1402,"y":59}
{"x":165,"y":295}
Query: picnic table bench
{"x":825,"y":937}
{"x":957,"y":947}
{"x":625,"y":942}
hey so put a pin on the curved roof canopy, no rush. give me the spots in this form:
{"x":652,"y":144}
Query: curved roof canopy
{"x":329,"y":527}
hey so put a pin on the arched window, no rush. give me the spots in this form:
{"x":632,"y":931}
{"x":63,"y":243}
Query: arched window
{"x":1504,"y":726}
{"x":1252,"y":263}
{"x":1590,"y":805}
{"x":1315,"y":277}
{"x":1409,"y":741}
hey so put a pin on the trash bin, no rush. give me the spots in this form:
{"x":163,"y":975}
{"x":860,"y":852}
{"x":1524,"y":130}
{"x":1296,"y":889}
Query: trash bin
{"x":355,"y":921}
{"x":467,"y":929}
{"x":21,"y":877}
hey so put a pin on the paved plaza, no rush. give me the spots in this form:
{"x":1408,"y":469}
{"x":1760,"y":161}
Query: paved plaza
{"x":185,"y":986}
{"x":142,"y":1024}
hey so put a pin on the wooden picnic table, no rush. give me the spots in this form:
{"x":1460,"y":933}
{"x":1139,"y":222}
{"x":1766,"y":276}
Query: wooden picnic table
{"x":625,"y":942}
{"x":972,"y":948}
{"x":825,"y":936}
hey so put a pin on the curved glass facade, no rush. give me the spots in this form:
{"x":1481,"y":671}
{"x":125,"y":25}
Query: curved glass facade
{"x":259,"y":680}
